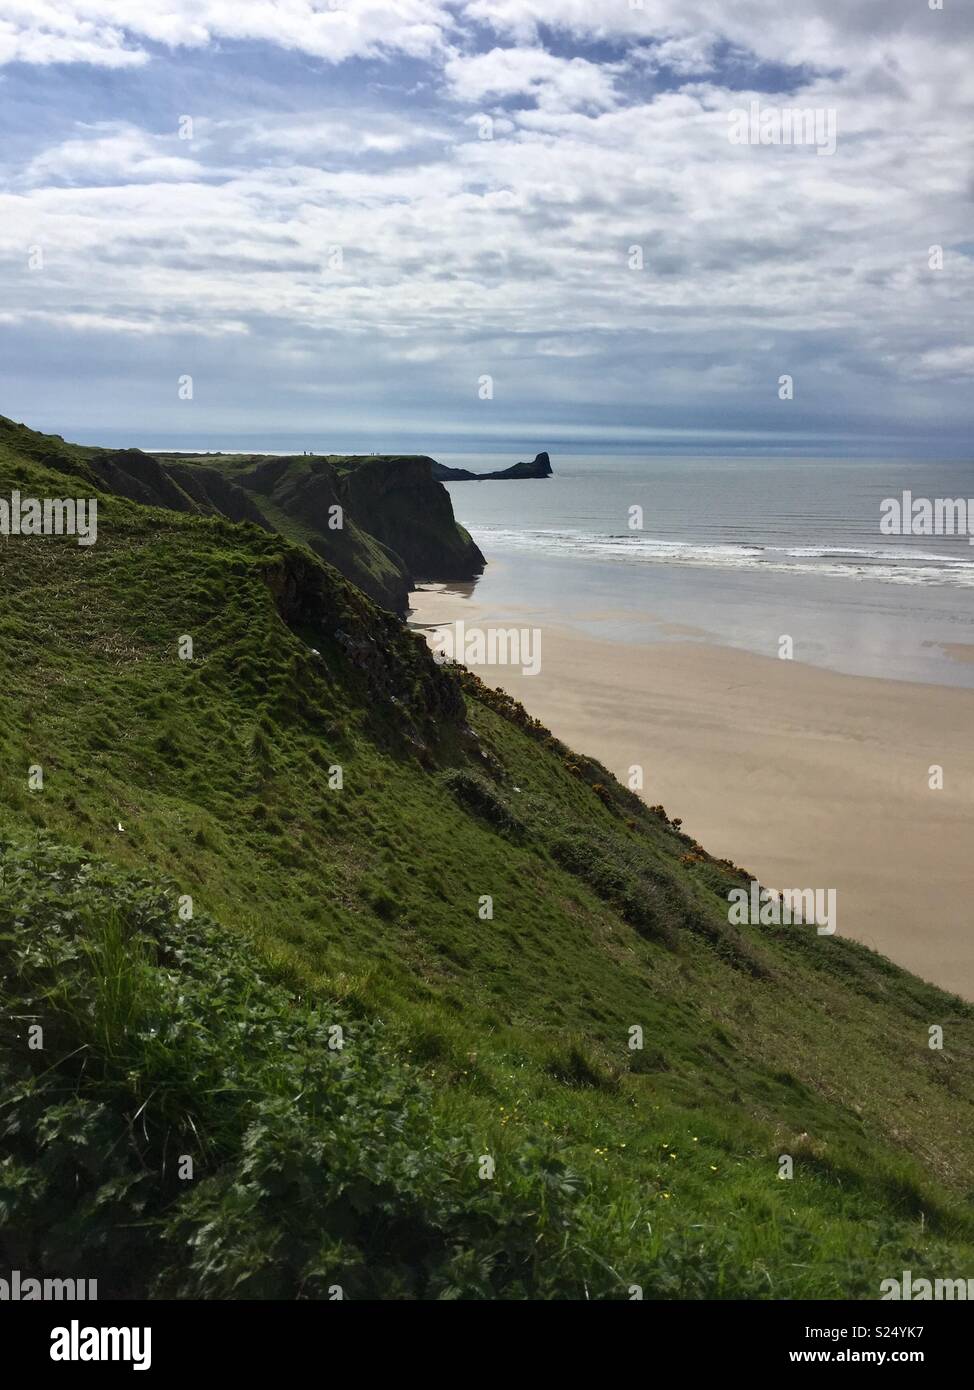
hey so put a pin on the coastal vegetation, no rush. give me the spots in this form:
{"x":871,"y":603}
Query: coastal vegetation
{"x":325,"y":968}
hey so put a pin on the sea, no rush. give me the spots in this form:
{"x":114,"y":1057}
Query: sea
{"x":737,"y":551}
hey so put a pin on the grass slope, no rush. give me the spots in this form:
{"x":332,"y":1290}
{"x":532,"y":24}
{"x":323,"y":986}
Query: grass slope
{"x":359,"y":906}
{"x":381,"y":520}
{"x":398,"y":523}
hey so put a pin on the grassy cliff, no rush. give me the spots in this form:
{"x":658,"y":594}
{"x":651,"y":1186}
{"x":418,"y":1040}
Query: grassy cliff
{"x":384,"y":521}
{"x":190,"y":1121}
{"x":397,"y":525}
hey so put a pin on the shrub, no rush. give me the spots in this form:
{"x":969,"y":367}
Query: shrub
{"x":476,"y":794}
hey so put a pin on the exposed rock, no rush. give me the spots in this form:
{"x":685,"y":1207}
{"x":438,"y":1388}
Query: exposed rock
{"x":411,"y":513}
{"x":403,"y":681}
{"x":539,"y":468}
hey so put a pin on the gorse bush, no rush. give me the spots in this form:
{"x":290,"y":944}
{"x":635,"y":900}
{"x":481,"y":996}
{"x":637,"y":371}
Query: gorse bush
{"x":617,"y":871}
{"x":574,"y":1064}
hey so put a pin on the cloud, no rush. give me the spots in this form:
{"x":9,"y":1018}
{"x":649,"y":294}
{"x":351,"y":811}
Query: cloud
{"x":82,"y":321}
{"x":332,"y":136}
{"x":111,"y":154}
{"x":825,"y":33}
{"x":459,"y":254}
{"x":956,"y":361}
{"x":65,"y":39}
{"x":695,"y":54}
{"x":116,"y":33}
{"x":553,"y":82}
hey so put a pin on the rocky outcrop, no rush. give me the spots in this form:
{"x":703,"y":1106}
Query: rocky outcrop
{"x":303,"y":499}
{"x":539,"y":468}
{"x":411,"y":513}
{"x":381,"y":520}
{"x":400,"y":678}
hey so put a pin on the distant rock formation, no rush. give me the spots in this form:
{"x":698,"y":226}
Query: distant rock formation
{"x":540,"y":468}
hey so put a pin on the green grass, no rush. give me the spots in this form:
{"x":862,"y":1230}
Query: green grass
{"x":506,"y":1037}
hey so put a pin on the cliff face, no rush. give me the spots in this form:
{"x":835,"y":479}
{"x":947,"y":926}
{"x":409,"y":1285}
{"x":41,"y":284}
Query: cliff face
{"x":213,"y":492}
{"x":139,"y":477}
{"x":411,"y":513}
{"x":301,"y":497}
{"x":383,"y":521}
{"x":540,"y":467}
{"x":397,"y":523}
{"x":179,"y":487}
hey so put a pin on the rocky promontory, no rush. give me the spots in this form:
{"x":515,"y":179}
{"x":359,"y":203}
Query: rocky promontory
{"x":540,"y":467}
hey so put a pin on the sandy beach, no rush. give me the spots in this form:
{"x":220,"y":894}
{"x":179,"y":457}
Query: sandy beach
{"x":805,"y":777}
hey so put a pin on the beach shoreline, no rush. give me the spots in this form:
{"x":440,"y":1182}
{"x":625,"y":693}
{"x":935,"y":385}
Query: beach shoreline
{"x":806,"y":777}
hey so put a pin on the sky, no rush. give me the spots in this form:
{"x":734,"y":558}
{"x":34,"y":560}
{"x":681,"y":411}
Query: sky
{"x":489,"y":224}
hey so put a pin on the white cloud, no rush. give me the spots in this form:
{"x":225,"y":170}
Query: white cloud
{"x":81,"y":321}
{"x":114,"y":33}
{"x":115,"y":153}
{"x":67,"y":39}
{"x":957,"y":361}
{"x":691,"y":55}
{"x":527,"y":230}
{"x":463,"y":255}
{"x":555,"y":83}
{"x":829,"y":33}
{"x":331,"y":135}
